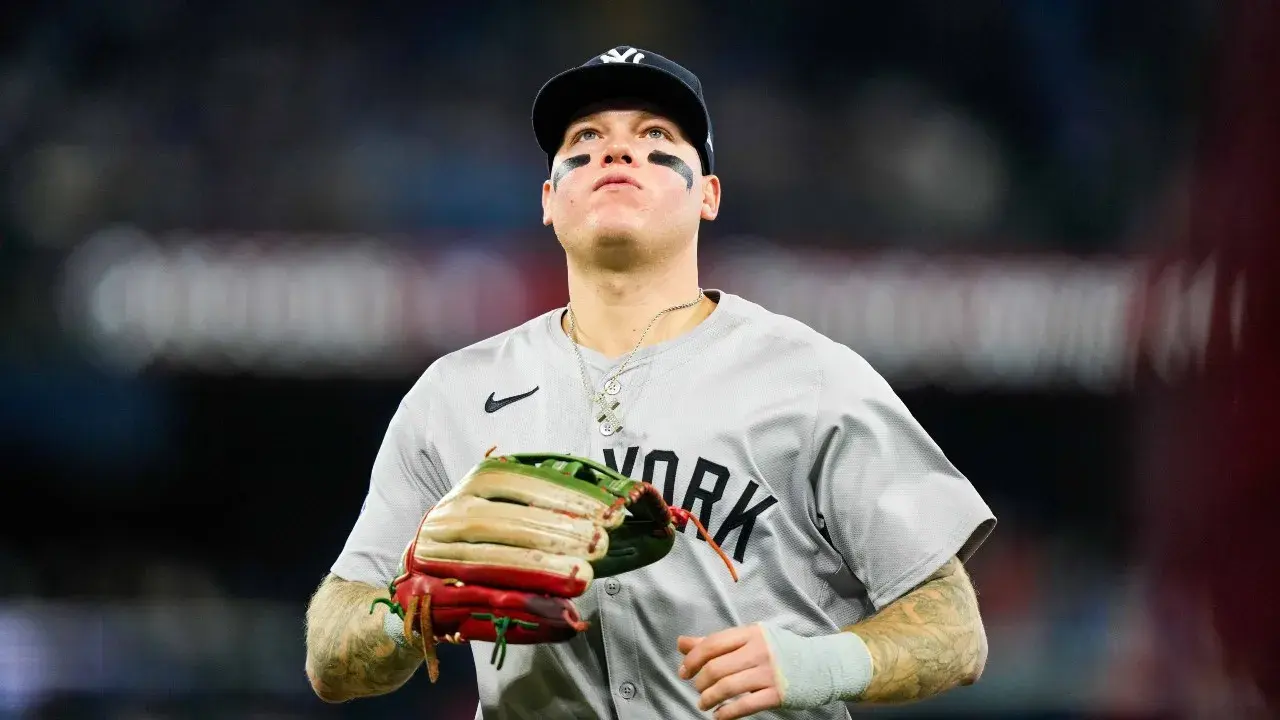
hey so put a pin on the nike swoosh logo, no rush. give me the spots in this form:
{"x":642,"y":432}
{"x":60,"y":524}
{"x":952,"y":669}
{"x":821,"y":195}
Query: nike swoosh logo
{"x":493,"y":406}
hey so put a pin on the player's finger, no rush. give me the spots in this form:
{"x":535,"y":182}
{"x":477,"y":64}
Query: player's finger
{"x":749,"y":680}
{"x":713,"y":645}
{"x":749,"y":704}
{"x":744,"y":658}
{"x":685,"y":643}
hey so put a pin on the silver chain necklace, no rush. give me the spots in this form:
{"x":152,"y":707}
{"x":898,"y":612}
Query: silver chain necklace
{"x":606,"y":407}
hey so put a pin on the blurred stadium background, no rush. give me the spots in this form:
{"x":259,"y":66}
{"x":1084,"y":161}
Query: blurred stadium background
{"x":232,"y":235}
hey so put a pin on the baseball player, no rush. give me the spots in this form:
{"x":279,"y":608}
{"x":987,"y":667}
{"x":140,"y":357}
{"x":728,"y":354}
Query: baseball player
{"x":726,"y":433}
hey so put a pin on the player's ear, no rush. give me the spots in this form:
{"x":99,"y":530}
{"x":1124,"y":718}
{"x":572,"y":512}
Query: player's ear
{"x":710,"y":197}
{"x":546,"y":202}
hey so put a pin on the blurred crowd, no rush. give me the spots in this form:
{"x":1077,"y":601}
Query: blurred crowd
{"x":1031,"y":124}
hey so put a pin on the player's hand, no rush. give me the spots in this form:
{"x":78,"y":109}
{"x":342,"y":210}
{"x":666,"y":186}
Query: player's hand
{"x":732,"y":664}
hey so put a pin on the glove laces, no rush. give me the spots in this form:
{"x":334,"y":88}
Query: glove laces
{"x":683,"y":517}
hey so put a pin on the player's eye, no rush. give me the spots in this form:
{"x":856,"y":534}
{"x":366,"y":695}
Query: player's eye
{"x":586,"y":135}
{"x":657,"y":133}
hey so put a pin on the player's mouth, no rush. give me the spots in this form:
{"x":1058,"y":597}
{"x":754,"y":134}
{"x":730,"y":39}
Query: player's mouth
{"x":615,"y":179}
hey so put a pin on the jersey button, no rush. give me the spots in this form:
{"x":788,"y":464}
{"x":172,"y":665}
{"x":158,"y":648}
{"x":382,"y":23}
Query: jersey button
{"x":627,"y":690}
{"x":612,"y":586}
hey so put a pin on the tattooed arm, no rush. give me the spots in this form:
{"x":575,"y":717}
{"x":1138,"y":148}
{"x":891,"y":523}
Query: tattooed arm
{"x":927,"y":641}
{"x":349,"y":654}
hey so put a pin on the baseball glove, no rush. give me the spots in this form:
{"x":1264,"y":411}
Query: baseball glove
{"x":501,"y":556}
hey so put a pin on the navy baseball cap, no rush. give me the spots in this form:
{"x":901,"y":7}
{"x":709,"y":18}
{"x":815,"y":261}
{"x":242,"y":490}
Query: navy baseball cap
{"x":624,"y":72}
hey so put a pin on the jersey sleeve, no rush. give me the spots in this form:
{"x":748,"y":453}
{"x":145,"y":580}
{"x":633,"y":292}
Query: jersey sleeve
{"x":893,"y":505}
{"x":405,"y":482}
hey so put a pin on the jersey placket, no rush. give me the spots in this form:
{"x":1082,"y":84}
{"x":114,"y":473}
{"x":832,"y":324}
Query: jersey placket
{"x":618,"y":632}
{"x":622,"y":651}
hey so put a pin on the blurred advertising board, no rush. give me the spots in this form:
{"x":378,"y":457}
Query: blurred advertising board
{"x":297,"y":305}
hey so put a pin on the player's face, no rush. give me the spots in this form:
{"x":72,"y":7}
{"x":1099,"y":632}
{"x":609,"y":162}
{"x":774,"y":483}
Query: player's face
{"x":627,"y":187}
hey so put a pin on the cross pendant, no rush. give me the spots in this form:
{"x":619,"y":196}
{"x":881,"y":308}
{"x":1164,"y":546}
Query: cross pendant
{"x":606,"y":411}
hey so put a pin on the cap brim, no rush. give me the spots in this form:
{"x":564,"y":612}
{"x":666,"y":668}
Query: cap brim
{"x":565,"y":95}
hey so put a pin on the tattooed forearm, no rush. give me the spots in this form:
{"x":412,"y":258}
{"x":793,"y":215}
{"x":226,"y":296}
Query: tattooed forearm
{"x":349,"y":655}
{"x":926,"y":642}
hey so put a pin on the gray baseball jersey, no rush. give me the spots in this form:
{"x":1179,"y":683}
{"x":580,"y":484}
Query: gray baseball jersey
{"x":795,"y":454}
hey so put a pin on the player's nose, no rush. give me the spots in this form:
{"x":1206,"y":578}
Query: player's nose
{"x":618,"y":153}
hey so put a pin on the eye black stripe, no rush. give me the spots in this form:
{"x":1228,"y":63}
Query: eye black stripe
{"x":566,"y":166}
{"x":657,"y":157}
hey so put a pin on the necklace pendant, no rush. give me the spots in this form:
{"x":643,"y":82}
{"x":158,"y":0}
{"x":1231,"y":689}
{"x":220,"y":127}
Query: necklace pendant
{"x":608,"y":421}
{"x":607,"y":413}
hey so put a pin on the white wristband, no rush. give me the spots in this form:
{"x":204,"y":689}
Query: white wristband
{"x":817,"y":671}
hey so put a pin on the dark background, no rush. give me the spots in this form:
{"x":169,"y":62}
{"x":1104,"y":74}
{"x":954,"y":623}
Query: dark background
{"x":184,"y":444}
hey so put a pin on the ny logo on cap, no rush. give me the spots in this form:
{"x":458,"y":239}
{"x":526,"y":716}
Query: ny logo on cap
{"x":622,"y":55}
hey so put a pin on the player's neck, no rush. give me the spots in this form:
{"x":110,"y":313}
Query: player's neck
{"x":613,"y":309}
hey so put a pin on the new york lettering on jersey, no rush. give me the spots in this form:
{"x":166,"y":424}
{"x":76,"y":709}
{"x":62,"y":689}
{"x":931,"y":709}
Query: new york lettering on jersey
{"x":702,"y":485}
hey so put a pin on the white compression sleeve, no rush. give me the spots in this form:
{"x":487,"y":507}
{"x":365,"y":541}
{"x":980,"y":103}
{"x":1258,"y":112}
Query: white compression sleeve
{"x":816,"y":671}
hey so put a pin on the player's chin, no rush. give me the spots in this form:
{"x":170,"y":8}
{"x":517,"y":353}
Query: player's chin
{"x":615,"y":248}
